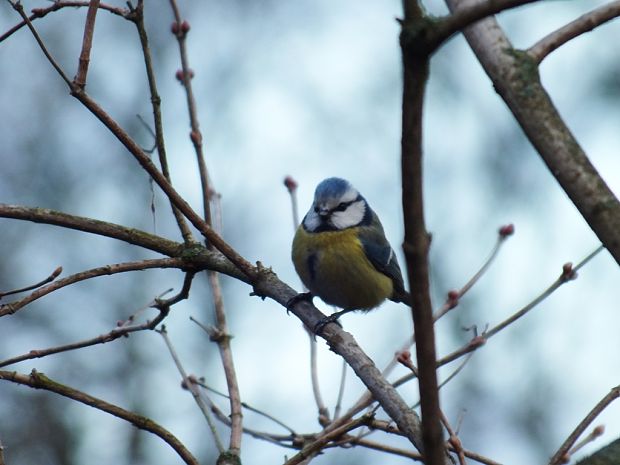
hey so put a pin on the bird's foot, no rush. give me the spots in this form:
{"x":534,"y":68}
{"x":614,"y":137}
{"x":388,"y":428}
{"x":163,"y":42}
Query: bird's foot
{"x":333,"y":318}
{"x":307,"y":296}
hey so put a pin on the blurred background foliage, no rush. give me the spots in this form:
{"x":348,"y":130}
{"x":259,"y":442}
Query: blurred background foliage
{"x":311,"y":89}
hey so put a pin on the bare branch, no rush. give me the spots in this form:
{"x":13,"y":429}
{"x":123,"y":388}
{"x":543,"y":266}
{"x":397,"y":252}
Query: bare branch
{"x":313,"y":448}
{"x":145,"y":161}
{"x":49,"y":279}
{"x":468,"y":14}
{"x":137,"y":17}
{"x":245,"y":405}
{"x":416,"y":57}
{"x":116,"y":333}
{"x":12,"y":307}
{"x":585,"y":23}
{"x":17,"y":6}
{"x":581,"y":427}
{"x":194,"y":254}
{"x":180,"y":29}
{"x":223,"y":342}
{"x":56,"y":5}
{"x":568,"y":274}
{"x":87,"y":43}
{"x":191,"y":386}
{"x":454,"y":296}
{"x":40,"y":381}
{"x":515,"y":77}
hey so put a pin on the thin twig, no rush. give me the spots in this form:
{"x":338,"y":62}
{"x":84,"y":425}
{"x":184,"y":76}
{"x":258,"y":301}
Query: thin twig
{"x":469,"y":14}
{"x":194,"y":255}
{"x":581,"y":427}
{"x":214,"y":239}
{"x":316,"y":446}
{"x":49,"y":279}
{"x":291,"y":186}
{"x":568,"y":273}
{"x":12,"y":307}
{"x":124,"y":328}
{"x":223,"y":344}
{"x":192,"y":388}
{"x":144,"y":160}
{"x":596,"y":432}
{"x":137,"y":17}
{"x":180,"y":29}
{"x":343,"y":379}
{"x":87,"y":44}
{"x":453,"y":298}
{"x":40,"y":381}
{"x":102,"y":339}
{"x":245,"y":405}
{"x":56,"y":5}
{"x":453,"y":440}
{"x":278,"y":439}
{"x":17,"y":6}
{"x":585,"y":23}
{"x":314,"y":378}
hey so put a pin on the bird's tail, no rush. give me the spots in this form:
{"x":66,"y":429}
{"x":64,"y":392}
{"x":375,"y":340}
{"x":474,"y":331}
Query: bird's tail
{"x":402,"y":296}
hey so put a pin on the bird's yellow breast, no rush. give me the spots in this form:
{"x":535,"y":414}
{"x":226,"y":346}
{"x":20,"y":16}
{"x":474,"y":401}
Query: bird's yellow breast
{"x":334,"y":267}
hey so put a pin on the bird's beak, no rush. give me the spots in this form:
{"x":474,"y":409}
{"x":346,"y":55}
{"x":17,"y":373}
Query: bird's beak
{"x":323,"y":211}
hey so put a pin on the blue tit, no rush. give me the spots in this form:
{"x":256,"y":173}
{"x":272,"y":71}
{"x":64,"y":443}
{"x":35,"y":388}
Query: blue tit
{"x":341,"y":254}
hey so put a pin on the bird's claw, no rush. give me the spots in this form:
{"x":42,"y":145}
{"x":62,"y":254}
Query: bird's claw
{"x":307,"y":296}
{"x":318,"y":327}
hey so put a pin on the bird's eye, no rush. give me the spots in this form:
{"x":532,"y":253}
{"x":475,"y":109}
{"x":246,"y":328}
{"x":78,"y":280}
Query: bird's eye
{"x":316,"y":209}
{"x":341,"y":207}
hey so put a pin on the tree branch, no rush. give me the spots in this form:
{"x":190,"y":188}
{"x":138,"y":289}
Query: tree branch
{"x":585,"y":23}
{"x":87,"y":44}
{"x":515,"y":77}
{"x":56,"y":5}
{"x":40,"y":381}
{"x":598,"y":408}
{"x":416,"y":56}
{"x":12,"y":307}
{"x":137,"y":16}
{"x":180,"y":29}
{"x":195,"y":254}
{"x":469,"y":14}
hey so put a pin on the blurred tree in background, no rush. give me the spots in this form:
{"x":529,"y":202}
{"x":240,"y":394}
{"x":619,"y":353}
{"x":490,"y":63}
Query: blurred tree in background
{"x":312,"y":89}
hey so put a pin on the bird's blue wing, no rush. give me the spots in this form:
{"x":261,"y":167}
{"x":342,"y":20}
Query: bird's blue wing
{"x":381,"y":255}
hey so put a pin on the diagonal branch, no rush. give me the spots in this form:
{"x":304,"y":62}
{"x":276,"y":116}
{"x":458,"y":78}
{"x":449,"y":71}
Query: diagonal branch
{"x":137,"y":16}
{"x":558,"y":457}
{"x":56,"y":5}
{"x":515,"y":77}
{"x":144,"y":160}
{"x":469,"y":14}
{"x":581,"y":25}
{"x":195,"y":255}
{"x":12,"y":307}
{"x":40,"y":381}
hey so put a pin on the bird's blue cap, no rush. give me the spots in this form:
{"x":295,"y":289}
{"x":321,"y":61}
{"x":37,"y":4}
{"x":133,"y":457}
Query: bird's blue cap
{"x":331,"y":188}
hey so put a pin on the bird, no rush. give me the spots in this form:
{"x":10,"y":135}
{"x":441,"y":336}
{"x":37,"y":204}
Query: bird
{"x":341,"y":254}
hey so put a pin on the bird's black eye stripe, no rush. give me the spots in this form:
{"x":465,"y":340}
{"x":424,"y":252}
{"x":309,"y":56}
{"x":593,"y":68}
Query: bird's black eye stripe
{"x":342,"y":206}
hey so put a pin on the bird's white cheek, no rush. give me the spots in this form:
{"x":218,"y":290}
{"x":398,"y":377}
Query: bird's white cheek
{"x":352,"y":216}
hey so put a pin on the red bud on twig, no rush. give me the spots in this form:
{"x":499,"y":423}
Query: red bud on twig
{"x":290,"y":183}
{"x":507,"y":230}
